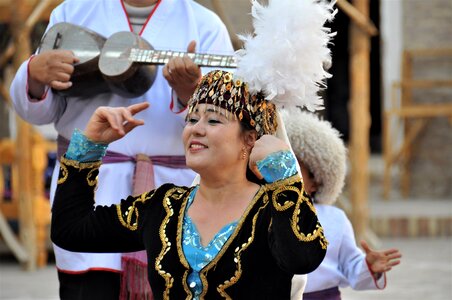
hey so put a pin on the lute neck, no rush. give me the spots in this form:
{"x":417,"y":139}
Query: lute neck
{"x":161,"y":57}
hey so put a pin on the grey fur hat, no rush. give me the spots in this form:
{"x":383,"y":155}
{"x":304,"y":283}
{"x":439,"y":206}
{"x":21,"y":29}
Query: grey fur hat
{"x":319,"y":146}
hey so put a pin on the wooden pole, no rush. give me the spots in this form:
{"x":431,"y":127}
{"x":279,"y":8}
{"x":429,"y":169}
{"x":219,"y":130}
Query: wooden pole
{"x":362,"y":21}
{"x":26,"y":219}
{"x":218,"y":9}
{"x":359,"y":121}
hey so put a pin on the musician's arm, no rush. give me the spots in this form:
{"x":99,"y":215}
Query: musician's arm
{"x":35,"y":110}
{"x":35,"y":102}
{"x":214,"y":39}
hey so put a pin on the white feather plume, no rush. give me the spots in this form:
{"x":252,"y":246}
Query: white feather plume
{"x":284,"y":57}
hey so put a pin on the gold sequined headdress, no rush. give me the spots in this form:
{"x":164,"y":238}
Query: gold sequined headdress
{"x":221,"y":89}
{"x":281,"y":64}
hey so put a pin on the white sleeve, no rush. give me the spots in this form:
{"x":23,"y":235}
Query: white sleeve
{"x":36,"y":111}
{"x":352,"y":262}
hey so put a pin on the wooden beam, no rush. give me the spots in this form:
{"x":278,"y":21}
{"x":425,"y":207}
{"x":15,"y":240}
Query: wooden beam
{"x":218,"y":9}
{"x":425,"y":83}
{"x":6,"y":209}
{"x":32,"y":19}
{"x":7,"y":54}
{"x":4,"y":93}
{"x":359,"y":121}
{"x":11,"y":241}
{"x":21,"y":39}
{"x":422,"y":110}
{"x":7,"y":6}
{"x":363,"y":21}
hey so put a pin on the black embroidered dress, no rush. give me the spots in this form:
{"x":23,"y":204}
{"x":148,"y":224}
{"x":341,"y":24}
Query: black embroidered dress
{"x":278,"y":236}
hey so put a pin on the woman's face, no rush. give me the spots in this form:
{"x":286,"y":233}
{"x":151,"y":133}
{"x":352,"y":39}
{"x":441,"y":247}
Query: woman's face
{"x":310,"y":186}
{"x":211,"y":140}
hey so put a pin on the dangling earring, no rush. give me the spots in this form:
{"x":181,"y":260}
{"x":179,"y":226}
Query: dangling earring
{"x":244,"y":153}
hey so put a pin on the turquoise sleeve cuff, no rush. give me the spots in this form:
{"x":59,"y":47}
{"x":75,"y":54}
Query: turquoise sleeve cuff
{"x":83,"y":150}
{"x":278,"y":165}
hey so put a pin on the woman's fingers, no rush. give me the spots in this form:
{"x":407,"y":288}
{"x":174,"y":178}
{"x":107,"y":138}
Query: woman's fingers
{"x":111,"y":123}
{"x":129,"y":122}
{"x":253,"y":167}
{"x":115,"y":120}
{"x":136,"y":108}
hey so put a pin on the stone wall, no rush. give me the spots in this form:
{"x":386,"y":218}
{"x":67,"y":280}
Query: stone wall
{"x":428,"y":25}
{"x":237,"y":12}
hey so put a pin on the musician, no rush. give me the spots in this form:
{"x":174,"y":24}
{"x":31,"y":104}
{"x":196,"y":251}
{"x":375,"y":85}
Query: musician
{"x":178,"y":25}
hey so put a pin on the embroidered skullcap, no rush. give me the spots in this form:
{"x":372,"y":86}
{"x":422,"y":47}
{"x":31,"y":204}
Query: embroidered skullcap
{"x":221,"y":89}
{"x":319,"y":146}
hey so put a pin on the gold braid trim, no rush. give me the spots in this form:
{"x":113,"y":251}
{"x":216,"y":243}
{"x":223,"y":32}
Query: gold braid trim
{"x":238,"y":251}
{"x":64,"y":163}
{"x":180,"y":251}
{"x":318,"y":231}
{"x":64,"y":174}
{"x":287,"y":204}
{"x":283,"y":182}
{"x":287,"y":185}
{"x":175,"y":193}
{"x":186,"y":288}
{"x":129,"y":219}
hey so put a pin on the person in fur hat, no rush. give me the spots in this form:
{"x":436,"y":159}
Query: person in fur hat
{"x":322,"y":156}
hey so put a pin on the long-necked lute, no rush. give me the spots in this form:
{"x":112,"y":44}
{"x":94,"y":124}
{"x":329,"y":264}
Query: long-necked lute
{"x":125,"y":63}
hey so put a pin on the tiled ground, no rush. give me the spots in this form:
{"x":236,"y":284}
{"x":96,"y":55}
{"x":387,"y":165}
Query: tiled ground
{"x":425,"y":273}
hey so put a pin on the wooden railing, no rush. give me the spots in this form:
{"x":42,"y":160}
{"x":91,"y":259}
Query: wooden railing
{"x":410,"y":118}
{"x":32,"y":247}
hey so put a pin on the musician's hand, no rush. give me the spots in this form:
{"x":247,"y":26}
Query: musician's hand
{"x":53,"y":68}
{"x":183,"y":75}
{"x":109,"y":124}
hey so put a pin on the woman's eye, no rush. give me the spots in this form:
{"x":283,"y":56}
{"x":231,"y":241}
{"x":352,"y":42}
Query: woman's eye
{"x":213,"y":121}
{"x":192,"y":120}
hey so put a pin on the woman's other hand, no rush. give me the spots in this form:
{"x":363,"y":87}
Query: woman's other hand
{"x":263,"y":147}
{"x":109,"y":124}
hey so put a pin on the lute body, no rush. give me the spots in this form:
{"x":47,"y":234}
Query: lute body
{"x":124,"y":64}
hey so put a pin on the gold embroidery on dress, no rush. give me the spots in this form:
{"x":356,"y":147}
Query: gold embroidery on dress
{"x":180,"y":223}
{"x":175,"y":193}
{"x":80,"y":165}
{"x":287,"y":204}
{"x":92,"y":182}
{"x":238,"y":252}
{"x":184,"y":284}
{"x":284,"y":182}
{"x":318,"y":231}
{"x":285,"y":186}
{"x":64,"y":163}
{"x":129,"y":219}
{"x":180,"y":252}
{"x":64,"y":173}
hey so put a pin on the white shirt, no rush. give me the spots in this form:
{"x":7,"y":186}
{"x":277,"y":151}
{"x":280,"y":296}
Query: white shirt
{"x":344,"y":264}
{"x":173,"y":25}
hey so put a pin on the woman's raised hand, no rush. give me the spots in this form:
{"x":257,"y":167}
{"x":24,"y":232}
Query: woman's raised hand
{"x":109,"y":124}
{"x":263,"y":147}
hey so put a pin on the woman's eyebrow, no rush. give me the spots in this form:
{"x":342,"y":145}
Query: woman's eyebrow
{"x":211,"y":110}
